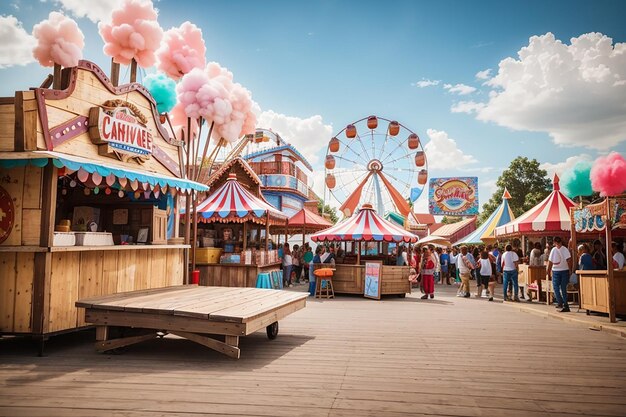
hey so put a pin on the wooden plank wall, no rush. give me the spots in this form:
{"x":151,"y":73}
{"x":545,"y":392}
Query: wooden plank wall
{"x":16,"y":284}
{"x":24,"y":186}
{"x":77,"y":275}
{"x":7,"y":125}
{"x":228,"y":275}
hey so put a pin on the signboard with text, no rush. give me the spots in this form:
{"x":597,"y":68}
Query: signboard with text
{"x":372,"y":280}
{"x":456,"y":196}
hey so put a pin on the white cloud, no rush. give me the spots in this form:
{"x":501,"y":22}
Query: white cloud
{"x":443,"y":152}
{"x":468,"y":107}
{"x":460,"y":89}
{"x":573,"y":92}
{"x":308,"y":135}
{"x":94,"y":10}
{"x":560,"y":167}
{"x":17,"y":44}
{"x":484,"y":75}
{"x":424,"y":82}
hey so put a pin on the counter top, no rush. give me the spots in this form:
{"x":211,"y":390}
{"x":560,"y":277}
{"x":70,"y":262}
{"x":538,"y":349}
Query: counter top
{"x":234,"y":265}
{"x":115,"y":247}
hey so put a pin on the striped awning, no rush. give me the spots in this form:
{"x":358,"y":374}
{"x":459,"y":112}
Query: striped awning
{"x":485,"y":233}
{"x":366,"y":226}
{"x":232,"y":202}
{"x":551,"y":216}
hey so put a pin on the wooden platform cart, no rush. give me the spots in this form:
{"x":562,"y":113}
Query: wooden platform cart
{"x":215,"y":317}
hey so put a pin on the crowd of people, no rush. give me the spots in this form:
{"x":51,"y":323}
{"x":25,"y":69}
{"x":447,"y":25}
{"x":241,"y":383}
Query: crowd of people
{"x":489,"y":265}
{"x":297,"y":263}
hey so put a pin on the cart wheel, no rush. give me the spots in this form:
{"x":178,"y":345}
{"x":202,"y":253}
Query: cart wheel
{"x":588,"y":312}
{"x":272,"y":331}
{"x":402,"y":295}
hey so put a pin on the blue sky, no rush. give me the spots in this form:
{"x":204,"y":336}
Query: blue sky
{"x":343,"y":60}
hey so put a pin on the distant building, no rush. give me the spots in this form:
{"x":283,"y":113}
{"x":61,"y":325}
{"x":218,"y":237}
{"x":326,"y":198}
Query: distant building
{"x":286,"y":175}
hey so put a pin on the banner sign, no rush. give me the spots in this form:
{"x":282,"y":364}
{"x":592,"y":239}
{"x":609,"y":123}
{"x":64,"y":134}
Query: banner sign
{"x":456,"y":196}
{"x":120,"y":133}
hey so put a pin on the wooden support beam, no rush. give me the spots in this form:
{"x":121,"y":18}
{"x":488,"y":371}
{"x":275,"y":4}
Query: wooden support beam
{"x":104,"y":345}
{"x":115,"y":73}
{"x":225,"y":348}
{"x":102,"y":333}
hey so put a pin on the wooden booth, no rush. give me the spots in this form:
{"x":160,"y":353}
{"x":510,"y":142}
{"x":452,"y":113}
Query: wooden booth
{"x":602,"y":291}
{"x":88,"y":179}
{"x":233,"y":230}
{"x":367,"y":229}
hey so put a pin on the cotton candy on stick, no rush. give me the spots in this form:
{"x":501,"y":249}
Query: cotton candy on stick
{"x":59,"y":42}
{"x":608,"y":175}
{"x":163,"y":89}
{"x":576,"y":181}
{"x":133,"y":35}
{"x":182,"y":50}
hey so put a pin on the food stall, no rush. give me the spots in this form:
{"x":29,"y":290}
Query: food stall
{"x":367,"y":226}
{"x":549,"y":218}
{"x":88,"y":179}
{"x":602,"y":291}
{"x":233,"y":230}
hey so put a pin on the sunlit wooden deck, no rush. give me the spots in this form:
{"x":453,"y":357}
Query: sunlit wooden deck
{"x":343,"y":357}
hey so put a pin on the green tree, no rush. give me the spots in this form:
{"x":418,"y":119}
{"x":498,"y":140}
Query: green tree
{"x":326,"y":209}
{"x":526,"y":182}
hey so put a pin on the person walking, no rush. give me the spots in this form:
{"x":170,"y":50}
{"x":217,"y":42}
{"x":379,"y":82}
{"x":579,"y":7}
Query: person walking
{"x":428,"y":273}
{"x":510,"y":262}
{"x":287,"y":265}
{"x":465,"y":267}
{"x":444,"y":260}
{"x":559,"y":267}
{"x":307,"y":258}
{"x":486,"y":272}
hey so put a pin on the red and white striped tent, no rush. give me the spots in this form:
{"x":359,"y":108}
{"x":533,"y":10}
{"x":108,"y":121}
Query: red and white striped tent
{"x":551,"y":216}
{"x":233,"y":203}
{"x":365,"y":226}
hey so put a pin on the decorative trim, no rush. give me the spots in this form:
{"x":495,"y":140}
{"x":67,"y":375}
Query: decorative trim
{"x":69,"y":130}
{"x":165,"y":159}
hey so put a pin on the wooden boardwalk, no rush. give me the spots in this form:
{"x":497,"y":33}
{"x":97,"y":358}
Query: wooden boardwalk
{"x":343,"y":357}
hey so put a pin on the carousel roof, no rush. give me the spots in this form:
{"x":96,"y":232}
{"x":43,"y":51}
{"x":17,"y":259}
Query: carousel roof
{"x":549,"y":216}
{"x":485,"y":233}
{"x":367,"y":226}
{"x":232,"y":202}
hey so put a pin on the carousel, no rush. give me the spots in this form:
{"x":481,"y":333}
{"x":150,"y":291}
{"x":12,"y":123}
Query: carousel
{"x":357,"y":232}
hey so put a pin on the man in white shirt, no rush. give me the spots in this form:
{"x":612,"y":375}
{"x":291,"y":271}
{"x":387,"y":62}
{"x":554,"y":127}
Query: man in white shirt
{"x":618,"y":257}
{"x":559,"y":266}
{"x":465,"y":267}
{"x":509,"y":262}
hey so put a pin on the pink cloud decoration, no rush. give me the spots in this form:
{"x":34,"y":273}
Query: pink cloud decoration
{"x":182,"y":50}
{"x":608,"y":175}
{"x":59,"y":41}
{"x":132,"y":33}
{"x":212,"y":95}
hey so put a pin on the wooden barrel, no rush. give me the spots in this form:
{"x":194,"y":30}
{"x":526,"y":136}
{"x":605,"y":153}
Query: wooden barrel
{"x":414,"y":141}
{"x":394,"y":128}
{"x":372,"y":122}
{"x":333,"y":145}
{"x":351,"y":131}
{"x":422,"y":177}
{"x":330,"y":162}
{"x":420,"y":159}
{"x":330,"y":181}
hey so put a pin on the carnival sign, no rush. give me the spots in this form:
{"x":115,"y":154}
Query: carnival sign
{"x":7,"y":214}
{"x":120,"y":133}
{"x":457,"y":196}
{"x":587,"y":219}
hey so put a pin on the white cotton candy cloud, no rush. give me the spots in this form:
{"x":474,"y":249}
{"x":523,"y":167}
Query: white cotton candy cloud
{"x":423,"y":83}
{"x":17,"y":44}
{"x":94,"y":10}
{"x":460,"y":89}
{"x":576,"y":93}
{"x":59,"y":41}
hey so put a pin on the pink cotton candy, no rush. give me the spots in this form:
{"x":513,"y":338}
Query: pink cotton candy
{"x":178,"y":117}
{"x":211,"y":94}
{"x":181,"y":51}
{"x":608,"y":175}
{"x":132,"y":33}
{"x":59,"y":41}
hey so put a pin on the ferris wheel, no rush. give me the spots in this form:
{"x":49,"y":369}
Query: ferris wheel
{"x":378,"y":161}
